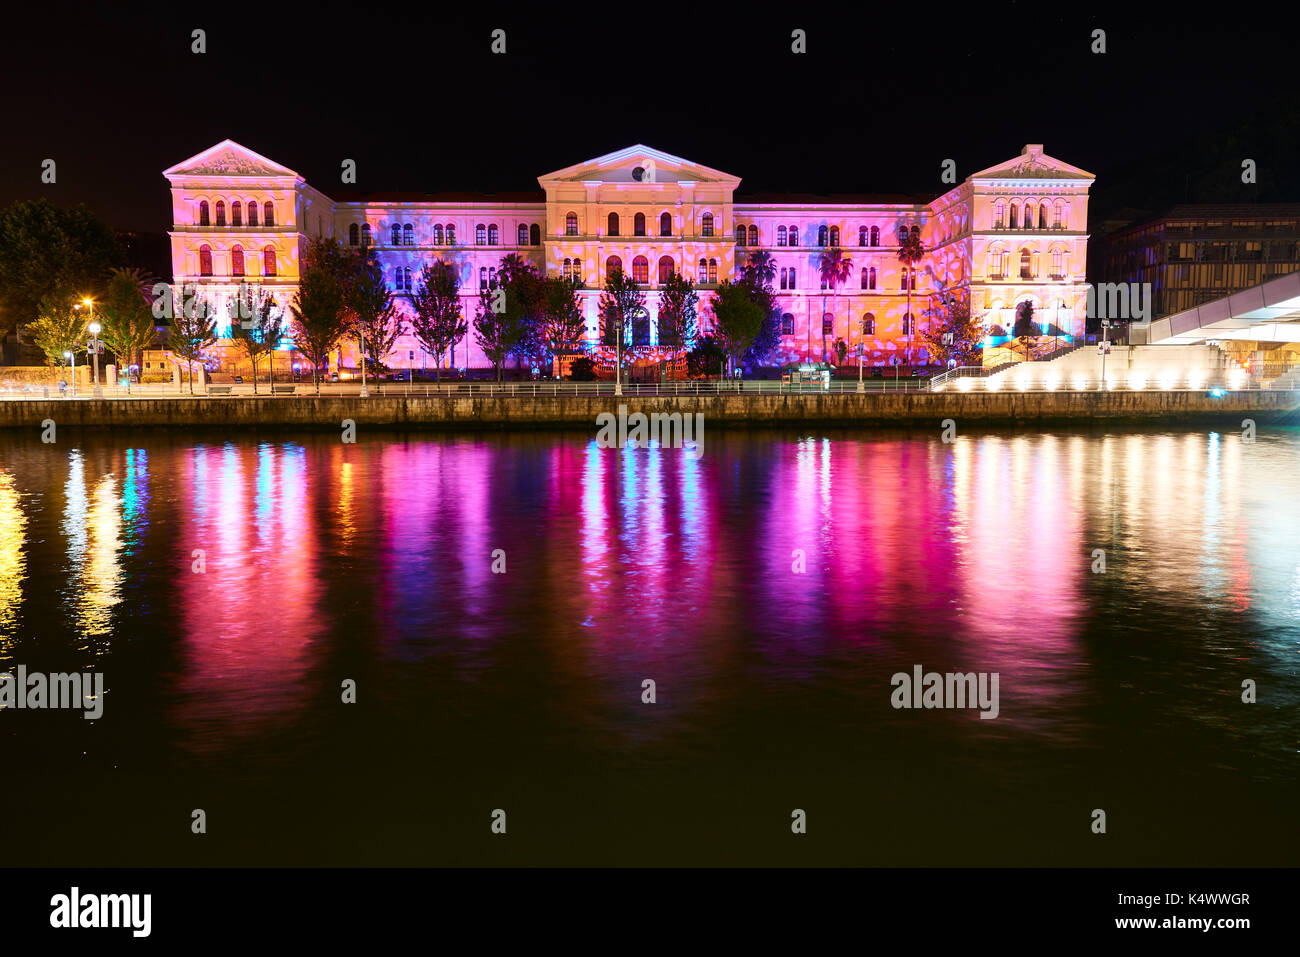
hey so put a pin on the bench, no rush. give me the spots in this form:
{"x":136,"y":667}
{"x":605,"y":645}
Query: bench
{"x":283,"y":389}
{"x":219,"y":389}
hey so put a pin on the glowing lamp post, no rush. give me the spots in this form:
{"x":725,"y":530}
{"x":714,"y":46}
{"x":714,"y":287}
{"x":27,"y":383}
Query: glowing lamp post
{"x":71,"y":357}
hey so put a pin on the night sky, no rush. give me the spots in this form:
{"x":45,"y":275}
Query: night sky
{"x":413,"y":94}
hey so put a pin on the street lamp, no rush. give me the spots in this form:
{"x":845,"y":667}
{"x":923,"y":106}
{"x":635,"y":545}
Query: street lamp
{"x":73,"y":359}
{"x":364,"y":390}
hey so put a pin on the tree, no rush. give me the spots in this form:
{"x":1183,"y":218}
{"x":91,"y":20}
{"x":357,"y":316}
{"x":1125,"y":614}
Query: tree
{"x":621,"y":302}
{"x":562,"y":322}
{"x":678,"y":312}
{"x":193,"y":330}
{"x":757,"y":275}
{"x":835,"y":269}
{"x":320,"y":306}
{"x":841,"y":350}
{"x":258,"y":327}
{"x":1025,"y":330}
{"x":436,"y":319}
{"x":910,"y":252}
{"x":582,"y":369}
{"x":705,"y":357}
{"x":46,"y":251}
{"x":370,"y":301}
{"x":967,"y":336}
{"x":737,"y":318}
{"x":125,"y":315}
{"x":525,"y":307}
{"x":58,"y":328}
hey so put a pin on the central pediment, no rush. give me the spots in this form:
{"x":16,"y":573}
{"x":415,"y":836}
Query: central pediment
{"x":638,"y":164}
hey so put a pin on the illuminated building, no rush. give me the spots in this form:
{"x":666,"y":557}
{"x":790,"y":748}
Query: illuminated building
{"x":1009,"y":234}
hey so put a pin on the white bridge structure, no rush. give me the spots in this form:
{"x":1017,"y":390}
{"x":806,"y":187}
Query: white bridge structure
{"x":1269,"y":312}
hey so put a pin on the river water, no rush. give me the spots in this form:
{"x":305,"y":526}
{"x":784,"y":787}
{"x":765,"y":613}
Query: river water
{"x":500,"y":601}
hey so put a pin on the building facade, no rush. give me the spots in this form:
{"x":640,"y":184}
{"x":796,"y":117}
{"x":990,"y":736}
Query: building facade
{"x":1013,"y":233}
{"x":1194,"y":254}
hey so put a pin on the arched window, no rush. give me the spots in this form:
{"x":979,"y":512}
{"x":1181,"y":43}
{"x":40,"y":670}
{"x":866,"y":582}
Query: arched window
{"x":493,"y":235}
{"x":793,"y":285}
{"x":1042,"y":216}
{"x":869,"y":324}
{"x":706,"y":224}
{"x":787,"y":324}
{"x":398,"y":279}
{"x":742,"y":235}
{"x":268,"y":261}
{"x":205,"y":260}
{"x":1057,"y":211}
{"x":1011,"y":219}
{"x":835,"y":235}
{"x":907,"y":324}
{"x":794,"y":235}
{"x":203,"y":213}
{"x":611,"y":224}
{"x":482,"y":277}
{"x":783,"y":278}
{"x":1058,"y":263}
{"x":640,"y":269}
{"x":237,"y":261}
{"x":407,"y":274}
{"x":365,"y":234}
{"x":492,"y":276}
{"x":397,"y":234}
{"x":221,"y":212}
{"x":354,"y":234}
{"x":828,"y":324}
{"x":862,"y":236}
{"x":577,"y":270}
{"x":822,"y":235}
{"x":665,"y":269}
{"x":408,"y":234}
{"x":268,"y":213}
{"x":534,"y":235}
{"x":713,"y":270}
{"x":903,"y":233}
{"x":1025,"y":272}
{"x":999,"y":214}
{"x":437,"y":234}
{"x":703,"y":275}
{"x":612,"y":265}
{"x":1029,"y":216}
{"x":638,"y":224}
{"x":451,"y":234}
{"x":780,"y":235}
{"x":571,"y":224}
{"x":522,"y":235}
{"x":252,"y":212}
{"x":871,"y":278}
{"x":236,"y":213}
{"x":480,"y":235}
{"x":568,"y":268}
{"x":902,"y":278}
{"x":866,"y":275}
{"x":875,"y":235}
{"x":665,"y":224}
{"x":753,"y":235}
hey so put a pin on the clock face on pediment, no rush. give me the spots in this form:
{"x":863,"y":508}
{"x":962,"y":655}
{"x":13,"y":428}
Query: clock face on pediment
{"x":638,"y":164}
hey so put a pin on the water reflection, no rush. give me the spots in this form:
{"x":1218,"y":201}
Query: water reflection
{"x":777,"y":569}
{"x":13,"y":561}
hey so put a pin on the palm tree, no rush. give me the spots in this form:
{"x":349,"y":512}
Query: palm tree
{"x":910,"y":252}
{"x":835,"y":270}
